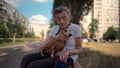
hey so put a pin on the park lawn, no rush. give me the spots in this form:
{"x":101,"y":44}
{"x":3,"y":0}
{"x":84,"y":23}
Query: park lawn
{"x":19,"y":41}
{"x":11,"y":44}
{"x":100,"y":55}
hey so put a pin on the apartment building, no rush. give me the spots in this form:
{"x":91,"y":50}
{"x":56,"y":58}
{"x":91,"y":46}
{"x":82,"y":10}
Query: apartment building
{"x":107,"y":13}
{"x":40,"y":30}
{"x":7,"y":10}
{"x":86,"y":21}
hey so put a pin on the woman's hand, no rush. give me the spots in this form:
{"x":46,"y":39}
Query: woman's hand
{"x":64,"y":55}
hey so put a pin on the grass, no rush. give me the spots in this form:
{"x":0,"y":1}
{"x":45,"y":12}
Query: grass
{"x":94,"y":55}
{"x":8,"y":41}
{"x":10,"y":44}
{"x":100,"y":55}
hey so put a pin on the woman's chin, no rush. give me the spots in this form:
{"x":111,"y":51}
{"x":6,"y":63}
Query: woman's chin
{"x":62,"y":27}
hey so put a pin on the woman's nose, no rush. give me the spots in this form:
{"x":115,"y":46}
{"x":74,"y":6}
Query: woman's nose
{"x":61,"y":20}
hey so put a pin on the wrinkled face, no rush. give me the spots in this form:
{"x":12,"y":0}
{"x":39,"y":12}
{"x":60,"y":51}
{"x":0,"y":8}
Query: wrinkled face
{"x":62,"y":19}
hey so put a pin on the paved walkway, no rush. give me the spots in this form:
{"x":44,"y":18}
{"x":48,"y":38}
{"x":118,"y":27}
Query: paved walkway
{"x":10,"y":57}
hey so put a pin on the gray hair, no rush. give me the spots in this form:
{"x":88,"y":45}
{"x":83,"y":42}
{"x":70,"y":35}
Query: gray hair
{"x":61,"y":9}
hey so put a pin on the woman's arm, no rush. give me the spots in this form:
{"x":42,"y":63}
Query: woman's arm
{"x":64,"y":55}
{"x":78,"y":49}
{"x":51,"y":39}
{"x":48,"y":41}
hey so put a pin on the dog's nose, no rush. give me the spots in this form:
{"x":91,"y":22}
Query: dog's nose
{"x":70,"y":34}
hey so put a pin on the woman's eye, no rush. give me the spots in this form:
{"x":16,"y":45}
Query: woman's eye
{"x":58,"y":18}
{"x":64,"y":17}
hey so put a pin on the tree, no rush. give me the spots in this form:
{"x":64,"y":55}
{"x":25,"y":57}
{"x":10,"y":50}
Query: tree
{"x":84,"y":33}
{"x":21,"y":31}
{"x":93,"y":28}
{"x":30,"y":34}
{"x":2,"y":29}
{"x":14,"y":28}
{"x":42,"y":35}
{"x":78,"y":8}
{"x":117,"y":33}
{"x":11,"y":29}
{"x":110,"y":34}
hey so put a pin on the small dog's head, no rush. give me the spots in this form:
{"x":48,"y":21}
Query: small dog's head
{"x":66,"y":33}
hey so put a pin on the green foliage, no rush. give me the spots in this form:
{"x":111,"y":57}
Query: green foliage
{"x":29,"y":34}
{"x":118,"y":33}
{"x":42,"y":35}
{"x":2,"y":29}
{"x":12,"y":28}
{"x":110,"y":34}
{"x":21,"y":30}
{"x":8,"y":41}
{"x":84,"y":35}
{"x":17,"y":28}
{"x":93,"y":28}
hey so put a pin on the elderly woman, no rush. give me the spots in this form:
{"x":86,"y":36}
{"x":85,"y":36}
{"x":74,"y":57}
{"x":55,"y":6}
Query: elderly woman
{"x":72,"y":47}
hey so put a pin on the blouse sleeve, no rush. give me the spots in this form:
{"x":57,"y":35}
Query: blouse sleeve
{"x":77,"y":31}
{"x":53,"y":31}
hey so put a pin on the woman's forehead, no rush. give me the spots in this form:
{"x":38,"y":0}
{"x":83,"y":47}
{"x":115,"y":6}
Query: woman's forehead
{"x":64,"y":13}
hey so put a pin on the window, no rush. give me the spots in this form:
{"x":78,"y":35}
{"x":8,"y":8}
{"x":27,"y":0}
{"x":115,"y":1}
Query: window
{"x":98,"y":3}
{"x":97,"y":7}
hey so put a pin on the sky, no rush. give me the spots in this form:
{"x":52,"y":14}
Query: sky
{"x":37,"y":11}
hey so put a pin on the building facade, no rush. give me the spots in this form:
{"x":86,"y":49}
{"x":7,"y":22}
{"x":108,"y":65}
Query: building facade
{"x":7,"y":10}
{"x":40,"y":30}
{"x":86,"y":21}
{"x":106,"y":12}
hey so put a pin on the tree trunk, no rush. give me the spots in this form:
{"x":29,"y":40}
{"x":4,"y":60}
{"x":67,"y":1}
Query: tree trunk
{"x":75,"y":11}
